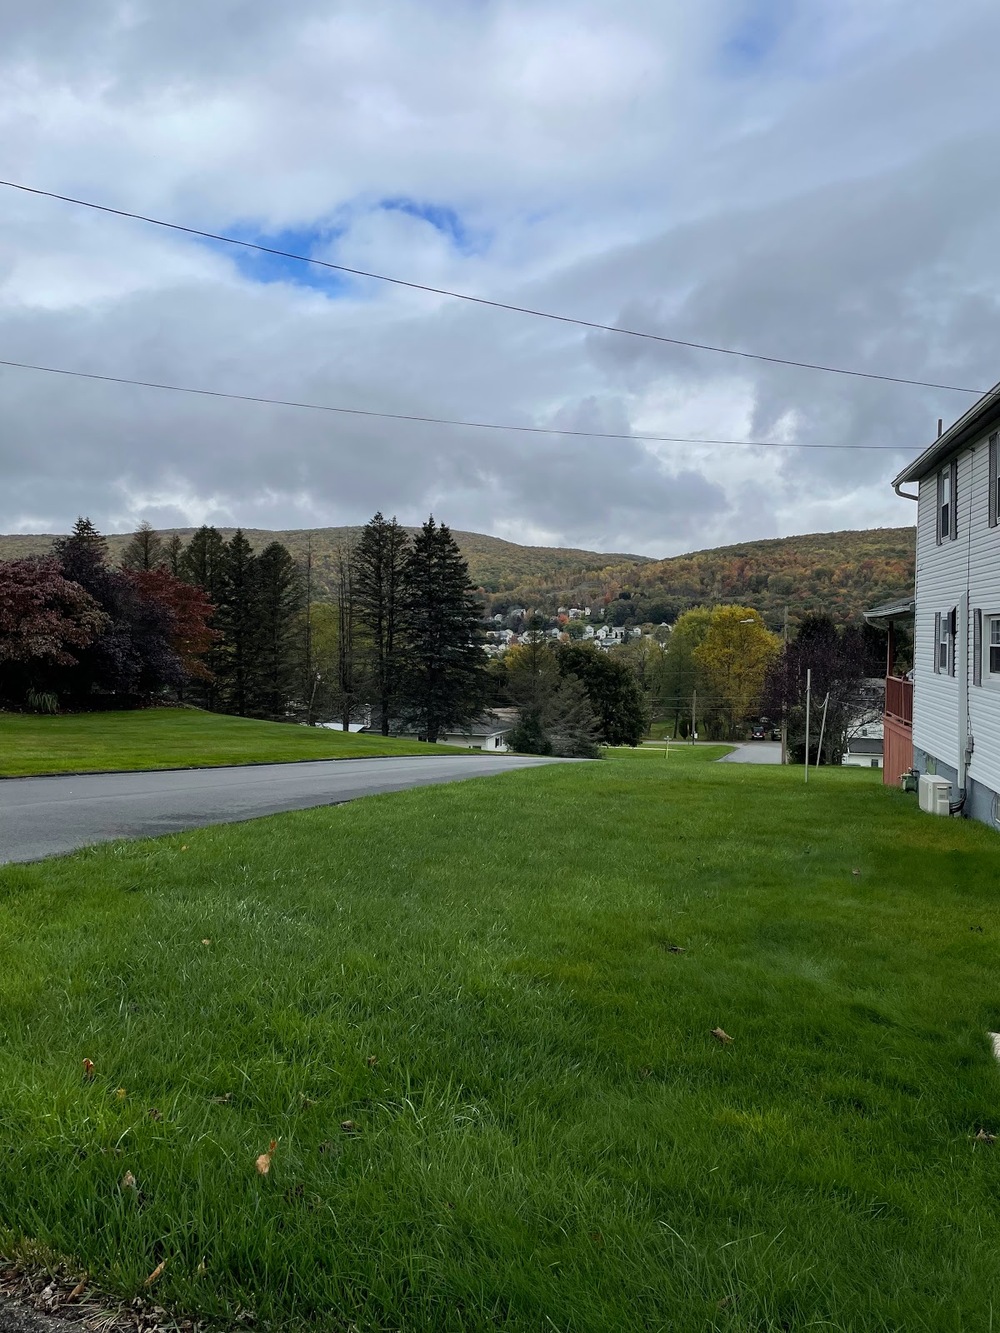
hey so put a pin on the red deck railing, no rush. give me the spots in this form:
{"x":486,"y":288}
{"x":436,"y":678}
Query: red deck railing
{"x":899,"y":699}
{"x":897,"y":729}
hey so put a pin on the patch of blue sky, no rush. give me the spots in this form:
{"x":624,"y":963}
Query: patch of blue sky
{"x":446,"y":220}
{"x":310,"y":242}
{"x":756,"y":34}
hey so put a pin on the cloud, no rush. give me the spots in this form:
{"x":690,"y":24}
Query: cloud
{"x":802,"y":180}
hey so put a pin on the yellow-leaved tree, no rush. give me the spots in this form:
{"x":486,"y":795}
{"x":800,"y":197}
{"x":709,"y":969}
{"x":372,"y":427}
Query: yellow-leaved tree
{"x":734,"y":656}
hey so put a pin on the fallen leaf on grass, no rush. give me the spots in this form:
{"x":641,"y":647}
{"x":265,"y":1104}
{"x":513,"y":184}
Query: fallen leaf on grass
{"x":78,"y":1290}
{"x":372,"y":1061}
{"x":224,"y":1100}
{"x":674,"y":948}
{"x":984,"y":1136}
{"x":121,"y":1094}
{"x":308,"y":1102}
{"x":88,"y":1070}
{"x":719,"y":1035}
{"x":184,"y":848}
{"x":157,"y":1272}
{"x":856,"y":873}
{"x":202,"y":1269}
{"x":645,"y":1072}
{"x":348,"y":1126}
{"x":129,"y":1183}
{"x":264,"y":1160}
{"x":154,"y":1114}
{"x":206,"y":941}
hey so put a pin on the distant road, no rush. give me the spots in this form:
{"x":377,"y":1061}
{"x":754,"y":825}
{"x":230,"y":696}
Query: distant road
{"x":756,"y":752}
{"x":45,"y":816}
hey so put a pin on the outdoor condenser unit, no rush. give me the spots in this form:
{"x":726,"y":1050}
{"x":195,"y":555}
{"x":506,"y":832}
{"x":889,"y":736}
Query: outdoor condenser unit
{"x":934,"y":794}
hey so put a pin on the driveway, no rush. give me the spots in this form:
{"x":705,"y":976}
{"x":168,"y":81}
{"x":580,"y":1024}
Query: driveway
{"x":756,"y":752}
{"x":45,"y":816}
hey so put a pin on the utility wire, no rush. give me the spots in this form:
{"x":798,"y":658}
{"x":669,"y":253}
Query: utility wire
{"x":433,"y":421}
{"x":482,"y":300}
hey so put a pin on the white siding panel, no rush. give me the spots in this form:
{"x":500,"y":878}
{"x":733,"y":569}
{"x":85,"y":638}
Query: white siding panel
{"x":944,"y":573}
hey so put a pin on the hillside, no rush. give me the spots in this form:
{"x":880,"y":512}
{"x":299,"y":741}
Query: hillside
{"x":496,"y":566}
{"x":839,"y":572}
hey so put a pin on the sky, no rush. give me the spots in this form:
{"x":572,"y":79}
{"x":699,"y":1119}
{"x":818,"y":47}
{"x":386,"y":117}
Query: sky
{"x":808,"y":179}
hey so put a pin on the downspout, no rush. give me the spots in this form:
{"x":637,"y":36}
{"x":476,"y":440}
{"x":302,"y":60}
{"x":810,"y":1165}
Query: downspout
{"x":962,"y":670}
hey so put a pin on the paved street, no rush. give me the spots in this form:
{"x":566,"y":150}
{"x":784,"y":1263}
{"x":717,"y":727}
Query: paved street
{"x":44,"y":816}
{"x":755,"y":752}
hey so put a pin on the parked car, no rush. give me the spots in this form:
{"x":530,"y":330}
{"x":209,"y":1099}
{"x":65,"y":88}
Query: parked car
{"x":757,"y":734}
{"x":775,"y":733}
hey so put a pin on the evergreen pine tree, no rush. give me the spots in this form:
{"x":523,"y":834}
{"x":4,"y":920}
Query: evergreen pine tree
{"x":278,"y":631}
{"x":445,"y":679}
{"x":202,"y":562}
{"x":173,"y":555}
{"x":379,"y":565}
{"x":237,"y":618}
{"x":144,"y":549}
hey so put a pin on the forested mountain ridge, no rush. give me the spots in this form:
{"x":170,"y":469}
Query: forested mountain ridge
{"x":839,"y":573}
{"x":836,"y":572}
{"x":496,"y":566}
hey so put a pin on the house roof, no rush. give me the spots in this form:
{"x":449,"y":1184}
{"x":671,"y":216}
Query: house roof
{"x":865,"y":745}
{"x":901,"y":609}
{"x":984,"y":412}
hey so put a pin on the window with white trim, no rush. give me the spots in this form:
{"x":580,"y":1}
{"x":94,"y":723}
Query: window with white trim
{"x":944,"y":642}
{"x":947,"y":503}
{"x":992,"y":649}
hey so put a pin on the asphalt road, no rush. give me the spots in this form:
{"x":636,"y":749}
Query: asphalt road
{"x":756,"y":752}
{"x":46,"y":816}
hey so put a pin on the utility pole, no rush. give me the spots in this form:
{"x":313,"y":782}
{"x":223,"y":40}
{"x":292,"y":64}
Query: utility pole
{"x":694,"y":714}
{"x":309,"y":571}
{"x":784,"y":695}
{"x":808,"y":694}
{"x":822,"y":729}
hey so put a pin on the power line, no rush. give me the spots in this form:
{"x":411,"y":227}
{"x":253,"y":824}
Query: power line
{"x":483,"y":300}
{"x":432,"y":421}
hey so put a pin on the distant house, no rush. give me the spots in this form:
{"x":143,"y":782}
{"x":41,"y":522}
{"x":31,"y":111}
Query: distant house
{"x":954,"y":697}
{"x":488,"y":732}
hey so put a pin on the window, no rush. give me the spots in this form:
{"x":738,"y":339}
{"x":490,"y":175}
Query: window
{"x":944,"y":642}
{"x":947,"y":502}
{"x":994,"y":495}
{"x":993,"y":648}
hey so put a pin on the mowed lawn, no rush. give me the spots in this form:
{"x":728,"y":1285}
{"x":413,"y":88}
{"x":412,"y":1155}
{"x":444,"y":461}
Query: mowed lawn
{"x":464,"y":1017}
{"x":174,"y":738}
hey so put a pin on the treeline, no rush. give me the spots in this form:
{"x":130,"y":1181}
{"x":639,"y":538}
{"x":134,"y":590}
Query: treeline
{"x":215,"y":623}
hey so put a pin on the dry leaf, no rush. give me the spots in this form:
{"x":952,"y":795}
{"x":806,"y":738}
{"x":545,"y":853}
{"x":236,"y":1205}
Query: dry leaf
{"x":348,"y":1126}
{"x":372,"y":1061}
{"x":264,"y":1160}
{"x":719,"y":1035}
{"x":645,"y":1072}
{"x":984,"y":1136}
{"x":88,"y":1070}
{"x":184,"y":848}
{"x":154,"y":1114}
{"x":128,"y":1182}
{"x":206,"y":941}
{"x":224,"y":1100}
{"x":157,"y":1271}
{"x":307,"y":1102}
{"x":856,"y":873}
{"x":201,"y":1270}
{"x":120,"y":1094}
{"x":78,"y":1290}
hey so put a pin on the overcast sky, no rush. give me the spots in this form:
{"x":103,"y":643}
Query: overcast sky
{"x":814,"y":179}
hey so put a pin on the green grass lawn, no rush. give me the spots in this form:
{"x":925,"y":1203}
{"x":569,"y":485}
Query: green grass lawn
{"x":174,"y":738}
{"x":542,"y":1133}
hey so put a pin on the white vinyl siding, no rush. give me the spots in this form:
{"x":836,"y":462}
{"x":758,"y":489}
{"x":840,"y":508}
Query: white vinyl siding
{"x":943,"y":570}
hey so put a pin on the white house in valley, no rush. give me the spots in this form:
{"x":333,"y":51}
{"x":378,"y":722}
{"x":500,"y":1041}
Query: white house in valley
{"x":956,"y":610}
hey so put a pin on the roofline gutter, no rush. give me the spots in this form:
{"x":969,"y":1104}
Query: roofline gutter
{"x":903,"y":495}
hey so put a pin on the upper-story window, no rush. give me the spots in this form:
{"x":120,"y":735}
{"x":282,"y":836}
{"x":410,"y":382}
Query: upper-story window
{"x":944,"y":642}
{"x":994,"y":495}
{"x":947,"y":498}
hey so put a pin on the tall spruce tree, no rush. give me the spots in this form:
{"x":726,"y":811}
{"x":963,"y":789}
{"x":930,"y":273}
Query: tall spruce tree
{"x":173,"y":554}
{"x":238,"y":619}
{"x":144,"y":549}
{"x":379,"y":568}
{"x":349,"y":677}
{"x":278,"y":631}
{"x":202,"y":562}
{"x":445,"y":682}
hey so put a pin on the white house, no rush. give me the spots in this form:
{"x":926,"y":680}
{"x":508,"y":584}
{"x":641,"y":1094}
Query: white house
{"x":956,"y":671}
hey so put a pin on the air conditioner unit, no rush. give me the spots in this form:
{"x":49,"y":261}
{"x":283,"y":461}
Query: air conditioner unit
{"x":934,"y":794}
